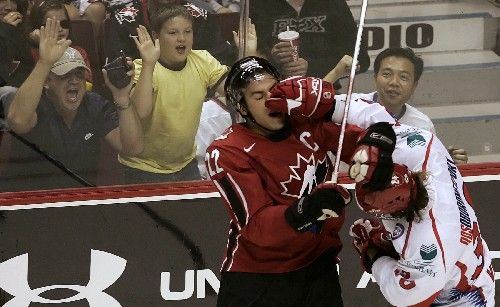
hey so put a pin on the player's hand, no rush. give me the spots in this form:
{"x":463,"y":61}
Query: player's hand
{"x":371,"y":163}
{"x":459,"y":155}
{"x":327,"y":200}
{"x":371,"y":240}
{"x":303,"y":96}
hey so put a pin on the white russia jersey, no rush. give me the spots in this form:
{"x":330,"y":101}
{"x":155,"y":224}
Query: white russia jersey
{"x":445,"y":261}
{"x":411,"y":117}
{"x":213,"y":121}
{"x":414,"y":117}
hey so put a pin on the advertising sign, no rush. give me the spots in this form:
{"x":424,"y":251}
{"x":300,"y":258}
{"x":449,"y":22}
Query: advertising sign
{"x":161,"y":252}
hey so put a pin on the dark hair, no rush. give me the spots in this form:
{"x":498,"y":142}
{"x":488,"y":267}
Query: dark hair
{"x":407,"y":53}
{"x":166,"y":13}
{"x":41,"y":8}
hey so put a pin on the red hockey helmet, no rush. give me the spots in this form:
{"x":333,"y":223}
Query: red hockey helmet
{"x":393,"y":199}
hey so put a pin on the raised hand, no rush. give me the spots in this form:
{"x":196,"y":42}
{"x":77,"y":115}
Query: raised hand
{"x":342,"y":69}
{"x":51,"y":48}
{"x":251,"y":38}
{"x":149,"y":49}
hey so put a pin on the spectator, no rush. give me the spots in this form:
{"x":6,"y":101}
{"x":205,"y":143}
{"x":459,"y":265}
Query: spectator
{"x":91,"y":10}
{"x":126,"y":16}
{"x":397,"y":71}
{"x":271,"y":171}
{"x":172,"y":83}
{"x":426,"y":248}
{"x":55,"y":9}
{"x":327,"y":32}
{"x":53,"y":111}
{"x":16,"y":61}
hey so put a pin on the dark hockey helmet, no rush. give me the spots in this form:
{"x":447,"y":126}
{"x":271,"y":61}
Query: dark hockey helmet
{"x":391,"y":200}
{"x":242,"y":72}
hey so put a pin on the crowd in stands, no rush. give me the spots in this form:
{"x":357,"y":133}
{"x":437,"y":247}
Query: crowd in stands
{"x":63,"y":112}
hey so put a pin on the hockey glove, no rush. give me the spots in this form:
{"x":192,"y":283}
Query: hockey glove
{"x":371,"y":164}
{"x":327,"y":200}
{"x":303,"y":96}
{"x":371,"y":235}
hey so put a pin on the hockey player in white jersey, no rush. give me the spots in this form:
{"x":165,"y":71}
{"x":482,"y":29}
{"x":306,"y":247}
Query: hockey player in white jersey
{"x":427,"y":219}
{"x":426,"y":248}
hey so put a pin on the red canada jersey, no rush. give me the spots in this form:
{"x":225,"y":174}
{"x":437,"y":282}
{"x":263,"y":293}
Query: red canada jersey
{"x":259,"y":179}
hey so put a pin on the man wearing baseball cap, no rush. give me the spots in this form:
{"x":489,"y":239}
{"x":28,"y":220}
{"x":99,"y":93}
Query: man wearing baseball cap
{"x":53,"y":111}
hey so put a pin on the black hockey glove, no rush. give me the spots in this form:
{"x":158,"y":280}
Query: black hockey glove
{"x":327,"y":200}
{"x":371,"y":164}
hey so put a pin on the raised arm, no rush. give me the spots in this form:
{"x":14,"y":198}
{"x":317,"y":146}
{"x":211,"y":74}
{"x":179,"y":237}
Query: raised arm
{"x":21,"y":116}
{"x":142,"y":93}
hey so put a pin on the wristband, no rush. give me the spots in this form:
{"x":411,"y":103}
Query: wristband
{"x":122,"y":107}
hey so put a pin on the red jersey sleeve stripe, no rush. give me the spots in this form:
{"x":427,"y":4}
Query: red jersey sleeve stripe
{"x":436,"y":234}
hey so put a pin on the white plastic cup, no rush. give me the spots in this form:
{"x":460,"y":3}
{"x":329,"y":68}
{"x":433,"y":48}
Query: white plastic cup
{"x":293,"y":38}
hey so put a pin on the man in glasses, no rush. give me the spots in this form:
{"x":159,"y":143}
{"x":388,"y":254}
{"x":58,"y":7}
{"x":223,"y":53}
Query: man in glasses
{"x":53,"y":111}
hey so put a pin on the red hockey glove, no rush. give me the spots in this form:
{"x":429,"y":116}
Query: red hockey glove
{"x":371,"y":163}
{"x":371,"y":240}
{"x":303,"y":96}
{"x":327,"y":200}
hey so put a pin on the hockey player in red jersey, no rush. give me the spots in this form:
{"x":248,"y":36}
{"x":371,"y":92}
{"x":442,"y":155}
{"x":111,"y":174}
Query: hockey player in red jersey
{"x":271,"y":171}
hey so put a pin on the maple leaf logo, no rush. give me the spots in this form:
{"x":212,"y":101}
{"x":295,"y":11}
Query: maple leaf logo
{"x":304,"y":176}
{"x":127,"y":14}
{"x":196,"y":11}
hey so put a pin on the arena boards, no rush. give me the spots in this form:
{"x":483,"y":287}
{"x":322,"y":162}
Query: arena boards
{"x":155,"y":245}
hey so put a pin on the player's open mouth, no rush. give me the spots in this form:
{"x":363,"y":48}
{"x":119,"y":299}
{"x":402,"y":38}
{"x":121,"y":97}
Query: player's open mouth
{"x":276,"y":114}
